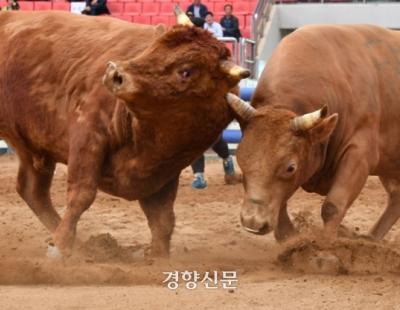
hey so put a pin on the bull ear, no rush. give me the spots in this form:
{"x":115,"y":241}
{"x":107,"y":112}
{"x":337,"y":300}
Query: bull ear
{"x":323,"y":130}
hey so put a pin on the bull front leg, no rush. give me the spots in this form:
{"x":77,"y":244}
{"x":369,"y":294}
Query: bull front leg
{"x":159,"y":212}
{"x":350,"y":178}
{"x":285,"y":228}
{"x":84,"y":168}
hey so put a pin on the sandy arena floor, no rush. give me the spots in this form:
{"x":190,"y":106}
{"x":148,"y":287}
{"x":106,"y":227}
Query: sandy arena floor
{"x":207,"y":237}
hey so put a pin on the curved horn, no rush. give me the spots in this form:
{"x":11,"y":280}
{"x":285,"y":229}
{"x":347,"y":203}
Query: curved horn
{"x":241,"y":107}
{"x":181,"y":17}
{"x":307,"y":121}
{"x":235,"y":71}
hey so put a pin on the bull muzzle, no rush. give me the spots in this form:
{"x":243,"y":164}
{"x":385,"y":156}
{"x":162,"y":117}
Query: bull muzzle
{"x":256,"y":218}
{"x":254,"y":226}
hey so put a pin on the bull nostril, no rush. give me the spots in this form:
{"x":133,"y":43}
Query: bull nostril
{"x":264,"y":230}
{"x":117,"y":79}
{"x":251,"y":227}
{"x":242,"y":220}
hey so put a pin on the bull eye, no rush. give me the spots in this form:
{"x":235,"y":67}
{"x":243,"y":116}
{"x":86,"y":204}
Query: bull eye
{"x":288,"y":172}
{"x":291,"y":168}
{"x":186,"y":73}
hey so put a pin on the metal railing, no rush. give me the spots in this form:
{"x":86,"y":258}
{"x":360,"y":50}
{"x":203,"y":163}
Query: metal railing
{"x":248,"y":47}
{"x":260,"y":18}
{"x":247,"y":57}
{"x":243,"y":52}
{"x":233,"y":45}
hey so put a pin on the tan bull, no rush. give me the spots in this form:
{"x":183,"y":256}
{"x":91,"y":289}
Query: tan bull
{"x":325,"y":116}
{"x":125,"y":106}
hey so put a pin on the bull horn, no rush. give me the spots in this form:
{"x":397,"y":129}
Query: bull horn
{"x":308,"y":121}
{"x":232,"y":69}
{"x":181,"y":17}
{"x":241,"y":107}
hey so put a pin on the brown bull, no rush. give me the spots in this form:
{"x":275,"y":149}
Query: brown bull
{"x":127,"y":128}
{"x":327,"y":116}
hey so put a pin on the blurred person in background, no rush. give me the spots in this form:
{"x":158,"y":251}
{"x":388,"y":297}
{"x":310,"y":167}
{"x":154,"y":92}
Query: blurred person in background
{"x":198,"y":9}
{"x":212,"y":26}
{"x":96,"y":7}
{"x":221,"y":148}
{"x":230,"y":23}
{"x":197,"y":21}
{"x":12,"y":5}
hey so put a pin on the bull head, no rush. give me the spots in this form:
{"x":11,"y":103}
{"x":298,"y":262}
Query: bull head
{"x":279,"y":152}
{"x":190,"y":63}
{"x":226,"y":66}
{"x":121,"y":84}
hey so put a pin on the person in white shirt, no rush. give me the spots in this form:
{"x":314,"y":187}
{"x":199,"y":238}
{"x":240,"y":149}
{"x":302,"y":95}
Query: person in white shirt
{"x":212,"y":26}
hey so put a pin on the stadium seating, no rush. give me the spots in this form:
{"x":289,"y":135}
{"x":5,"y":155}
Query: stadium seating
{"x":117,"y":8}
{"x":140,"y":19}
{"x":159,"y":19}
{"x":26,"y":5}
{"x":166,"y":8}
{"x":131,"y":8}
{"x":42,"y":6}
{"x":154,"y":11}
{"x":150,"y":8}
{"x":61,"y":6}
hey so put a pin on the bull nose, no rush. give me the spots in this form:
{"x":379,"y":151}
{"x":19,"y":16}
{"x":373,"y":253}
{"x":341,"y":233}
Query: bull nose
{"x":114,"y":74}
{"x":252,"y":225}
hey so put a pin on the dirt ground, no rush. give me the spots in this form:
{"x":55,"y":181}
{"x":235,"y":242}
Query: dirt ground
{"x":110,"y":271}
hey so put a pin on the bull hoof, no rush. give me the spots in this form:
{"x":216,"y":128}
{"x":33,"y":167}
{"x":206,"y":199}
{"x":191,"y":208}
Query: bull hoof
{"x":283,"y":234}
{"x":368,"y":237}
{"x":325,"y":263}
{"x":53,"y":252}
{"x":156,"y":256}
{"x":139,"y":253}
{"x":282,"y":237}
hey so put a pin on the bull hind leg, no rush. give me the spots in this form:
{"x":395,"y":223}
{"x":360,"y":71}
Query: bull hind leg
{"x":33,"y":185}
{"x":159,"y":212}
{"x":392,"y":211}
